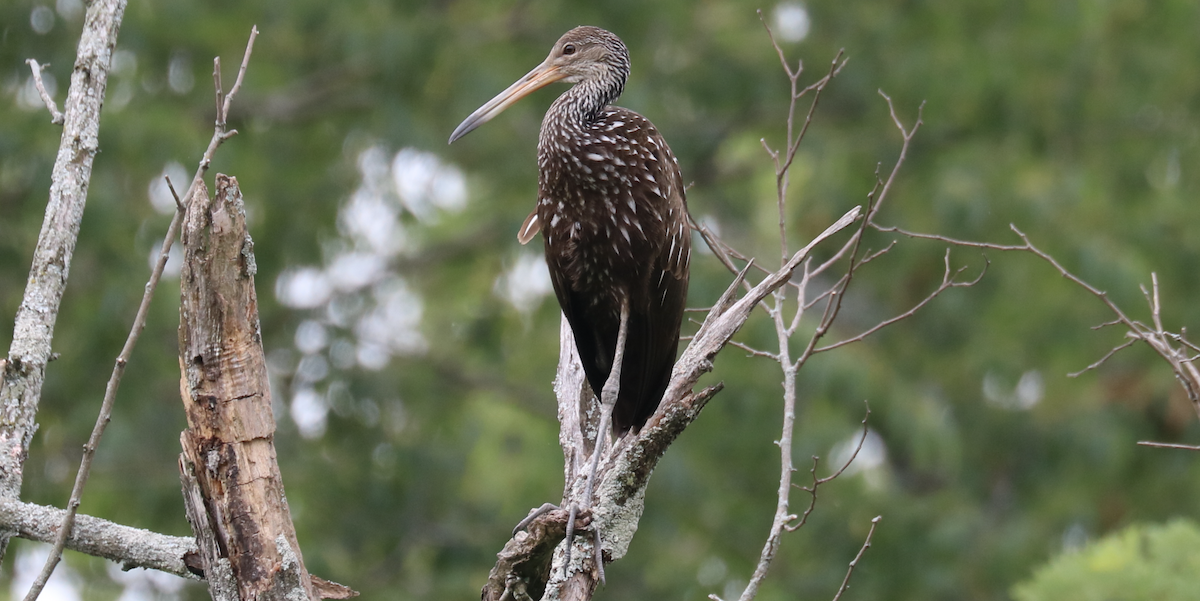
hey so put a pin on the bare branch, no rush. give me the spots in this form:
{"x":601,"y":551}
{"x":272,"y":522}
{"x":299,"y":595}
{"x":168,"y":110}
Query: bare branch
{"x":853,"y":564}
{"x":862,"y":440}
{"x":792,"y":143}
{"x":106,"y":406}
{"x":1167,"y":445}
{"x":753,"y":351}
{"x":220,"y":95}
{"x":178,"y":203}
{"x":130,"y":547}
{"x":237,"y":84}
{"x":33,"y":331}
{"x":55,"y":116}
{"x":817,"y":482}
{"x":948,"y":281}
{"x":1157,"y":338}
{"x":908,"y":135}
{"x":1101,"y":360}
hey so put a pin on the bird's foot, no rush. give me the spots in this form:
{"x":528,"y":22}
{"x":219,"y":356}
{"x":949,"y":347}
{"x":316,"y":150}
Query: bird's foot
{"x":585,"y":520}
{"x":534,"y":514}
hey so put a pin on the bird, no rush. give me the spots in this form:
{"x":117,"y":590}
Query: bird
{"x":612,"y":211}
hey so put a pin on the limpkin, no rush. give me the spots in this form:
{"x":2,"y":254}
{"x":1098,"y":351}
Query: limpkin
{"x":613,"y":215}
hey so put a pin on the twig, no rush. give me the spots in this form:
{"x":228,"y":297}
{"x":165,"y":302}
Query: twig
{"x":237,"y":84}
{"x":853,"y":564}
{"x":948,"y":281}
{"x":178,"y":203}
{"x":783,"y":169}
{"x":1155,"y":337}
{"x":776,"y":310}
{"x":817,"y":482}
{"x":114,"y":381}
{"x":753,"y":351}
{"x":55,"y":116}
{"x":861,"y":440}
{"x":1101,"y":360}
{"x":1167,"y":445}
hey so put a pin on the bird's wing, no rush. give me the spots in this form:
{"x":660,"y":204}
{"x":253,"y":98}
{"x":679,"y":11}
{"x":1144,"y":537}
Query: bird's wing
{"x":679,"y":233}
{"x":530,"y":228}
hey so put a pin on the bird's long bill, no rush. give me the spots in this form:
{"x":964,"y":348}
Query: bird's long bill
{"x":535,"y":79}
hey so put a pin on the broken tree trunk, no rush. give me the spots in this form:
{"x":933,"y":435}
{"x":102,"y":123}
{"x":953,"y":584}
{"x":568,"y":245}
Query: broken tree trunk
{"x":228,"y":445}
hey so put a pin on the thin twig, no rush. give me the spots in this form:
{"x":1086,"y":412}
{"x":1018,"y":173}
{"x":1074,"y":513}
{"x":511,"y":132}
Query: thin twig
{"x":114,"y":381}
{"x":1156,"y":338}
{"x":178,"y":203}
{"x":861,"y":441}
{"x":1167,"y":445}
{"x":237,"y":84}
{"x":853,"y":564}
{"x":217,"y":90}
{"x":753,"y":351}
{"x":948,"y":281}
{"x":817,"y":482}
{"x":56,"y":117}
{"x":106,"y":406}
{"x":1101,"y":360}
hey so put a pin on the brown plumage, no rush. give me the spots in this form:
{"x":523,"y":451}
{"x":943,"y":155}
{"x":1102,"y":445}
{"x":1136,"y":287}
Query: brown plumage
{"x":612,"y":211}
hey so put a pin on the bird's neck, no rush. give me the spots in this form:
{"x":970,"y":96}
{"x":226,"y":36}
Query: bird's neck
{"x":581,"y":105}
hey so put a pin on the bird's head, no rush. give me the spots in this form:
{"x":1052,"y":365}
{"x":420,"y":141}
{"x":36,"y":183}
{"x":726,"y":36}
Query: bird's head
{"x":583,"y":55}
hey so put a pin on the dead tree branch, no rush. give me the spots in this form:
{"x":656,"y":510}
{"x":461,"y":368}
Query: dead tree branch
{"x":25,"y":367}
{"x":129,"y":547}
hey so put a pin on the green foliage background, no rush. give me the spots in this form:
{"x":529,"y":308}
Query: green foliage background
{"x":1137,"y":562}
{"x":1075,"y":120}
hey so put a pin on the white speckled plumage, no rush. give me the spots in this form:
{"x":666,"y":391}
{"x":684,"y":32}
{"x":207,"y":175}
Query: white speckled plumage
{"x":613,"y":215}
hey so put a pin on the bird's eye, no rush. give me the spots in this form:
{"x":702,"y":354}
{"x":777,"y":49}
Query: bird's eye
{"x":569,"y":49}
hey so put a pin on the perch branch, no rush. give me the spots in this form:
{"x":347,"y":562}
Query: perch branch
{"x":625,"y":471}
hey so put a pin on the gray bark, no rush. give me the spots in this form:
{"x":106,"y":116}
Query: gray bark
{"x":130,"y":547}
{"x":25,"y":369}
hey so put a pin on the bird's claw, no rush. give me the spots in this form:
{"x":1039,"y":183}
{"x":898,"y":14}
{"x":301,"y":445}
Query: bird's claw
{"x":533,"y":515}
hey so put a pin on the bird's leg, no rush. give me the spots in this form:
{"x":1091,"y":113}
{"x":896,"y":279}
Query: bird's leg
{"x":608,"y":401}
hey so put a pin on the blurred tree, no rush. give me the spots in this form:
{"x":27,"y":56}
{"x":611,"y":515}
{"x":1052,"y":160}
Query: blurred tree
{"x":411,"y":343}
{"x":1136,"y":562}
